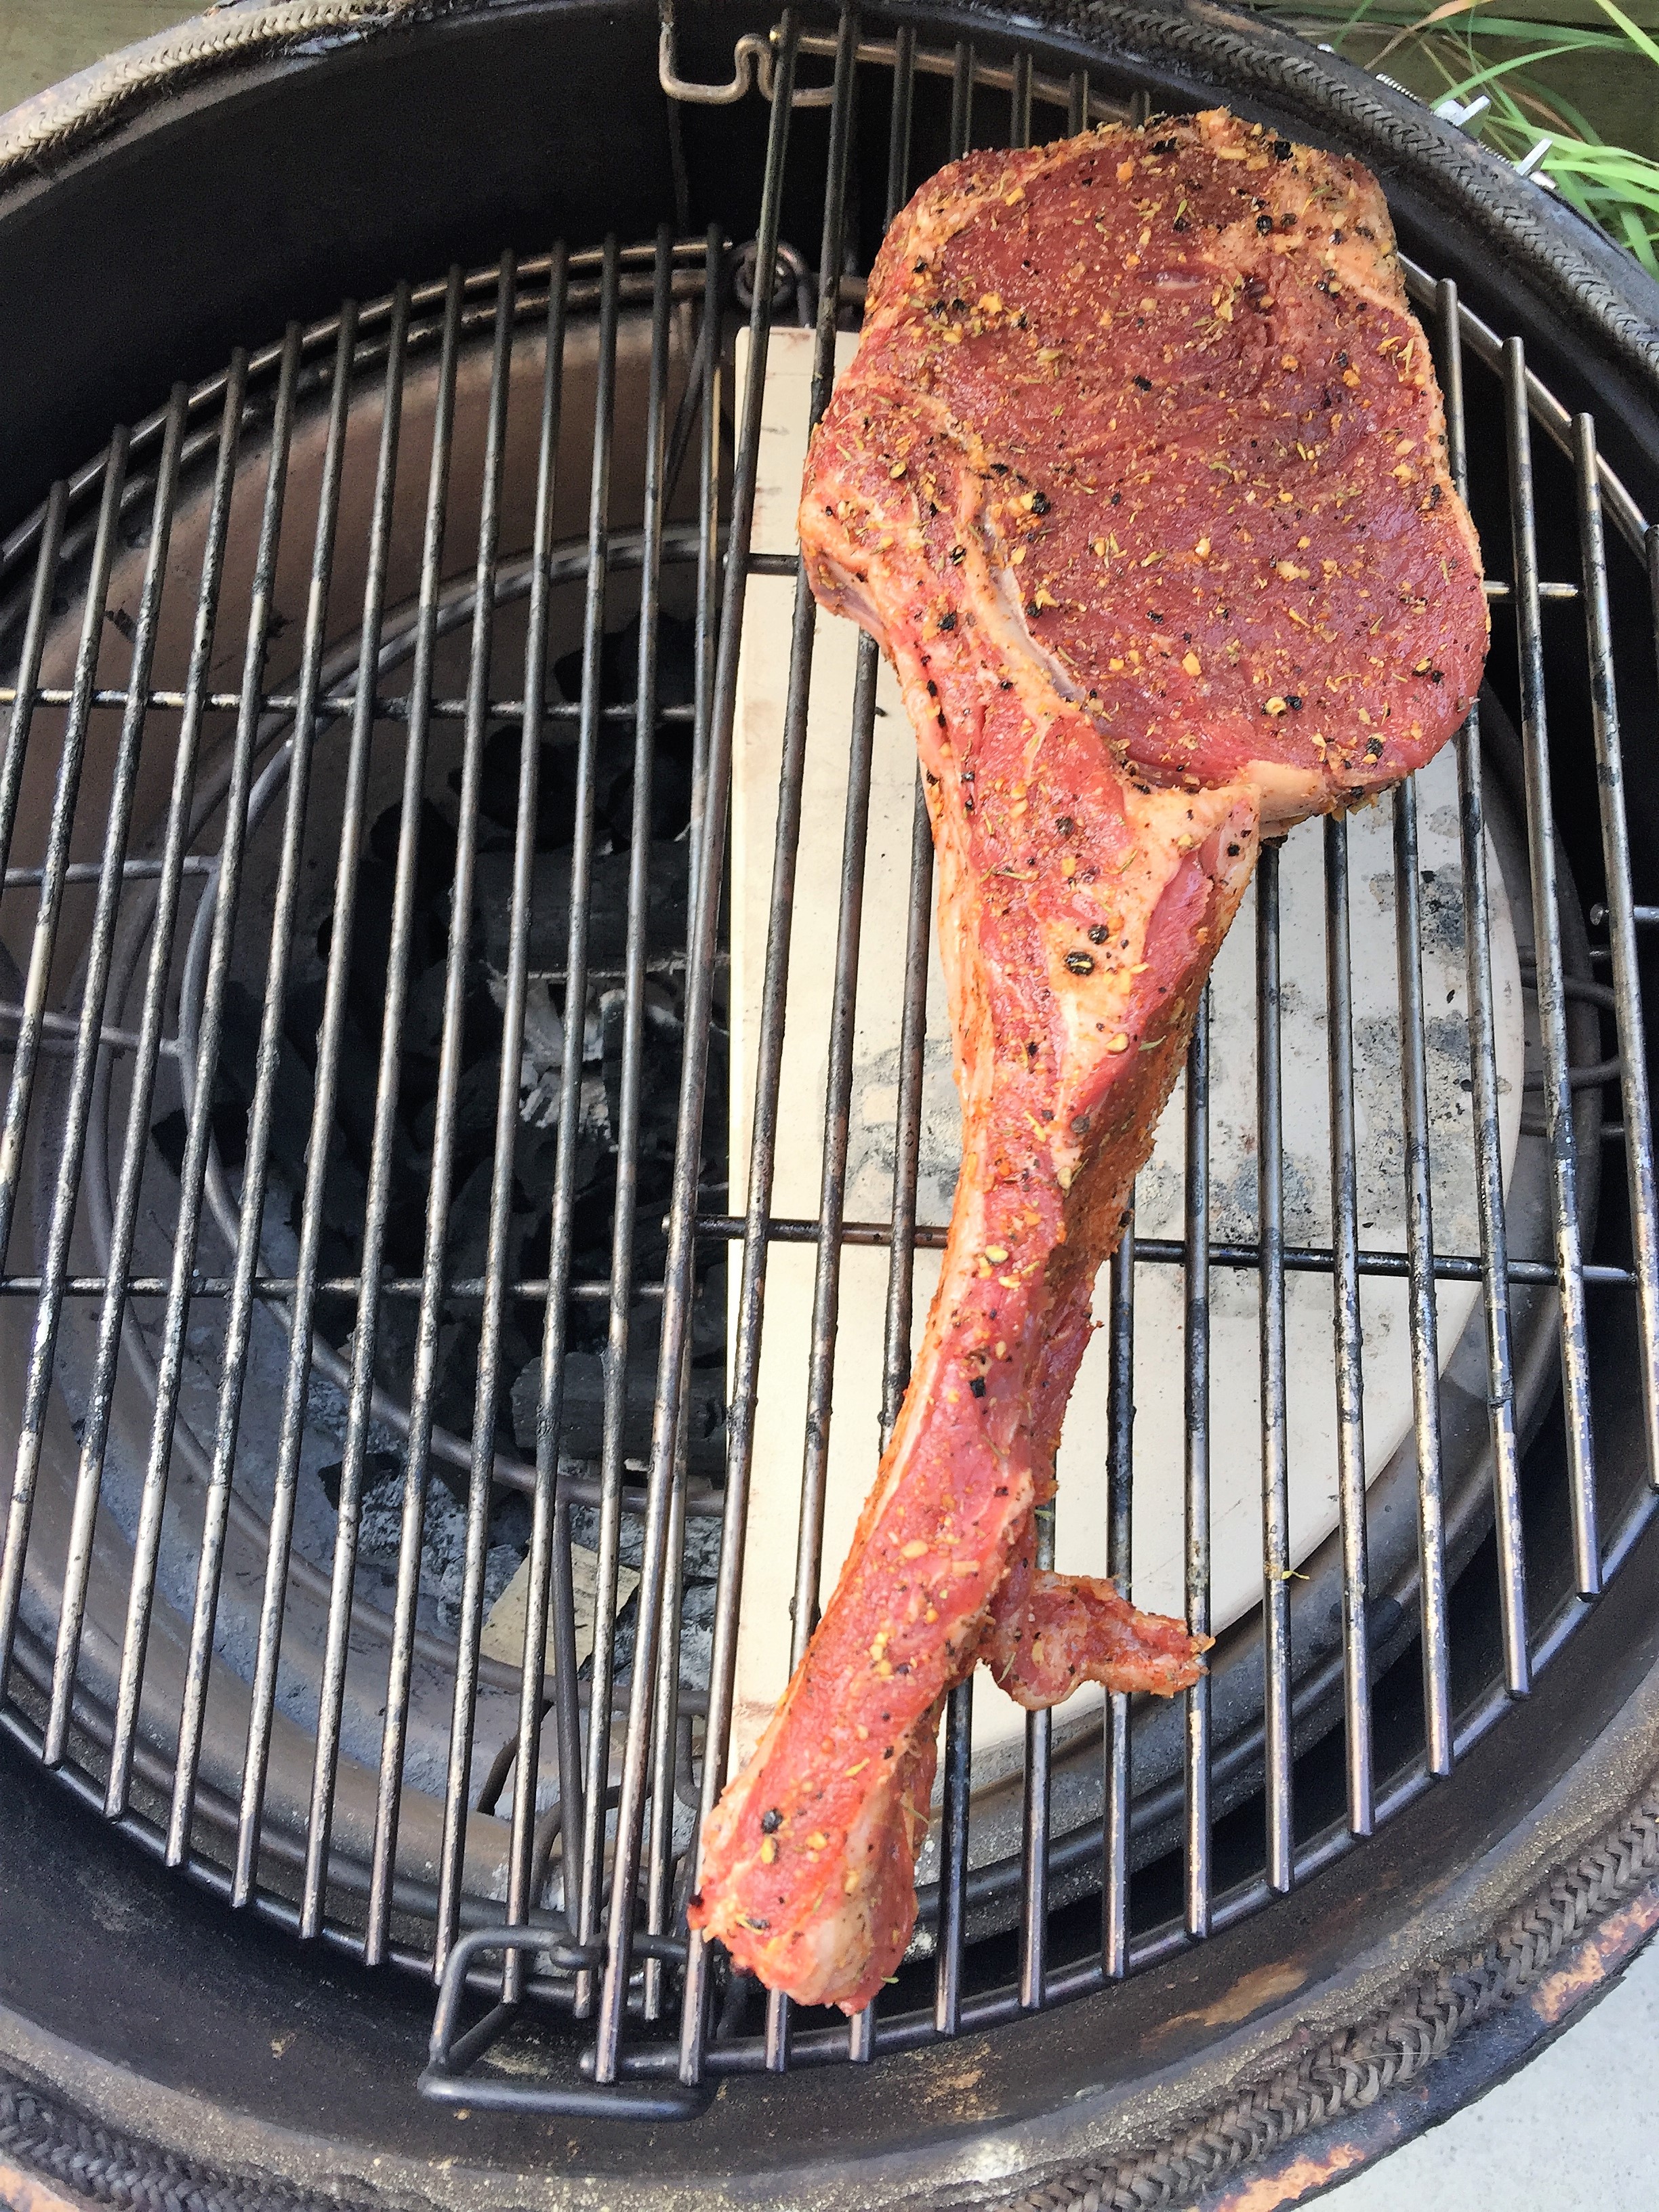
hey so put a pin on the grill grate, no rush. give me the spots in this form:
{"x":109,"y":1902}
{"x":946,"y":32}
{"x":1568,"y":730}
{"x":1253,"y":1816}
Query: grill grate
{"x":236,"y":1676}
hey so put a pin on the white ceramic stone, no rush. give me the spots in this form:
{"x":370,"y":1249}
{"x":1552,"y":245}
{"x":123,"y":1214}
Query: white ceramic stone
{"x":1236,"y":1472}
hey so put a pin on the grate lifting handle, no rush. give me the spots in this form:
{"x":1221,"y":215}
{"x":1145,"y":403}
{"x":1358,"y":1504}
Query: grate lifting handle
{"x":454,"y":2049}
{"x":752,"y":64}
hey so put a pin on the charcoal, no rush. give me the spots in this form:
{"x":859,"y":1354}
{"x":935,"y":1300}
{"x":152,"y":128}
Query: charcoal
{"x":434,"y":865}
{"x":423,"y":1011}
{"x":581,"y":1425}
{"x":708,"y":1322}
{"x":475,"y":1107}
{"x":659,"y":1063}
{"x":623,"y":1642}
{"x":345,"y":1191}
{"x":619,"y":665}
{"x":371,"y":943}
{"x":381,"y":1470}
{"x":168,"y":1135}
{"x":234,"y":1079}
{"x":356,"y":1079}
{"x":671,"y":790}
{"x":556,"y":786}
{"x":607,"y":927}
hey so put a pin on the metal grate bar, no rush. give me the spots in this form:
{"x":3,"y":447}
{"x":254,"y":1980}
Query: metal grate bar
{"x":665,"y":1484}
{"x":913,"y":1025}
{"x":1034,"y":1832}
{"x":810,"y":1542}
{"x":1420,"y":1307}
{"x":441,"y":1176}
{"x":1483,"y":1069}
{"x":667,"y":1751}
{"x":131,"y":701}
{"x":709,"y":531}
{"x":1275,"y":1441}
{"x":665,"y":1726}
{"x":342,"y":937}
{"x":1621,"y":924}
{"x":961,"y":100}
{"x":239,"y":1313}
{"x":1196,"y":1335}
{"x":330,"y":1038}
{"x":585,"y":1811}
{"x":136,"y":1146}
{"x":1119,"y":1778}
{"x":898,"y":132}
{"x":1348,"y":1333}
{"x":93,"y":992}
{"x":71,"y":756}
{"x":25,"y":695}
{"x":1039,"y":1726}
{"x":332,"y":706}
{"x":262,"y":1705}
{"x":1019,"y":100}
{"x":1167,"y":1252}
{"x":953,"y":1858}
{"x":1552,"y":1006}
{"x":521,"y":1895}
{"x":694,"y":2004}
{"x":199,"y":1064}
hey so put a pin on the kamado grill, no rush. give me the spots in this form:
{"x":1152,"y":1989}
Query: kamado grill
{"x":478,"y":1125}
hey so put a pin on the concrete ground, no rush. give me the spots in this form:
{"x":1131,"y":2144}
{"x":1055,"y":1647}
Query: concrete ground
{"x":1575,"y":2131}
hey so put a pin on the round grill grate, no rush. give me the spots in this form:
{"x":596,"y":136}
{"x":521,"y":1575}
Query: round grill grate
{"x":388,"y":796}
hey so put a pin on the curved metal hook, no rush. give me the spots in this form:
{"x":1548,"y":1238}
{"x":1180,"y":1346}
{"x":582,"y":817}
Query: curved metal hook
{"x":752,"y":63}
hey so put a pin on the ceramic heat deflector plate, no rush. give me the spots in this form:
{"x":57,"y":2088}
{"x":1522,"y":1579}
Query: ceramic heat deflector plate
{"x":1080,"y":1537}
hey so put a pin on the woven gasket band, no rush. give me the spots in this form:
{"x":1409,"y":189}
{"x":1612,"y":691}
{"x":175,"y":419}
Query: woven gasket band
{"x":45,"y":130}
{"x":1354,"y":2068}
{"x":96,"y":2166}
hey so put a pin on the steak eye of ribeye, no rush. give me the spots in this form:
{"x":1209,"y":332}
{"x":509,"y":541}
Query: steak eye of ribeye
{"x":1138,"y":478}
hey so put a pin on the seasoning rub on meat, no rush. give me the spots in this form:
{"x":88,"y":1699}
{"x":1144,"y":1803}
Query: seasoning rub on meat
{"x":1138,"y":478}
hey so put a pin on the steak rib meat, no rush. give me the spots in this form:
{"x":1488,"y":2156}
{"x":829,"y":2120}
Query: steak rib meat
{"x":1138,"y":478}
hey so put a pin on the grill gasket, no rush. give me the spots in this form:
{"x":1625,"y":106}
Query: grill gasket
{"x":1559,"y":1087}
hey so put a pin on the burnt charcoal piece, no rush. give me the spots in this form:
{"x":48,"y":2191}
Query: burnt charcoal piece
{"x":475,"y":1119}
{"x":660,"y":1068}
{"x":556,"y":786}
{"x":619,"y":665}
{"x":607,"y":908}
{"x":671,"y":790}
{"x":233,"y":1095}
{"x":581,"y":1423}
{"x":381,"y":1502}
